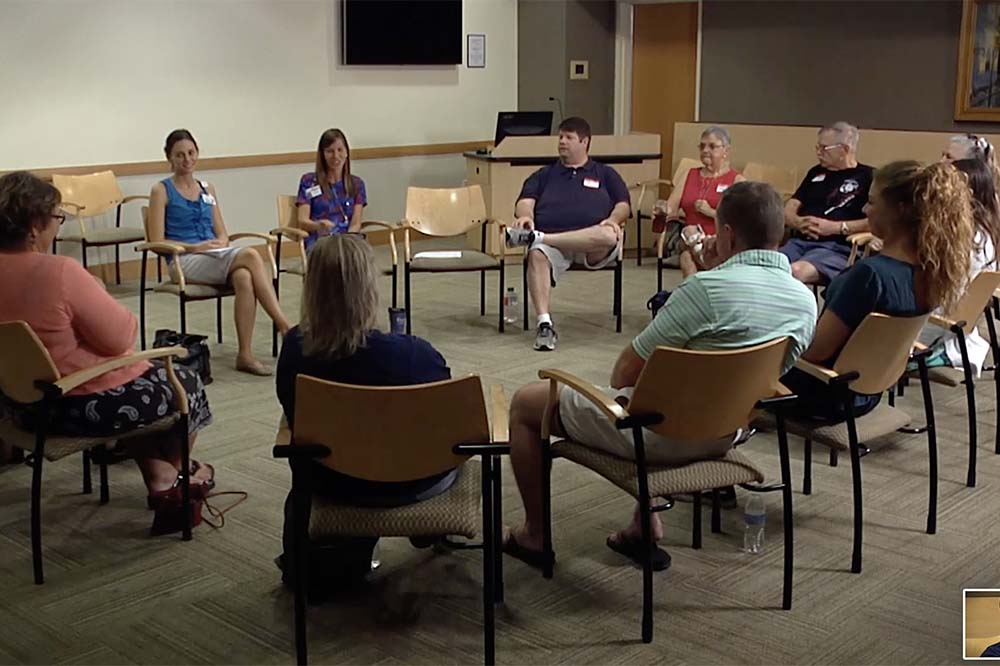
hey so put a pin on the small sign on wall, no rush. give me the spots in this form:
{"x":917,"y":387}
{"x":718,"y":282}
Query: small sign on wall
{"x":579,"y":69}
{"x":475,"y":53}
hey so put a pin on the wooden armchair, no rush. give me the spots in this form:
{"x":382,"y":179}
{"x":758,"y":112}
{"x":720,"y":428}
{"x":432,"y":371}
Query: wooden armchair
{"x":86,"y":197}
{"x":29,"y":377}
{"x":871,"y":363}
{"x":446,"y":213}
{"x":649,"y":192}
{"x":733,"y":383}
{"x":781,"y":179}
{"x":434,"y":428}
{"x":185,"y":291}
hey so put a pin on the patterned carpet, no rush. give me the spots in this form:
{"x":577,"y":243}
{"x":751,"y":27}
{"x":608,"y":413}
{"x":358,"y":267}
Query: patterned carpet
{"x":114,"y":595}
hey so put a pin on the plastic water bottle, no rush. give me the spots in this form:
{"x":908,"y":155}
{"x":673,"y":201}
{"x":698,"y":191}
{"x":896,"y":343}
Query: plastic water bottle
{"x":376,"y":562}
{"x":754,"y":518}
{"x":510,"y":306}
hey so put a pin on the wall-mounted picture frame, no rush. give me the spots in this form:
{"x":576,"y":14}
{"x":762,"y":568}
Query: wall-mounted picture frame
{"x":475,"y":51}
{"x":977,"y":89}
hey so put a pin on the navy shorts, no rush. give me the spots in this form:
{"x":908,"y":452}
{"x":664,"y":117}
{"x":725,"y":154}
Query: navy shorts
{"x":828,"y":257}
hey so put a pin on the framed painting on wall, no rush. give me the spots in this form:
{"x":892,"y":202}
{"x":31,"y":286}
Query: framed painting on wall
{"x":977,"y":93}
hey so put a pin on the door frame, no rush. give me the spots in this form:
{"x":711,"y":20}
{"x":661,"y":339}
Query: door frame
{"x":624,"y":27}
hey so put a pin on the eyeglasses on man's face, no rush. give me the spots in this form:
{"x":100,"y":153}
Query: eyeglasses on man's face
{"x":821,"y":148}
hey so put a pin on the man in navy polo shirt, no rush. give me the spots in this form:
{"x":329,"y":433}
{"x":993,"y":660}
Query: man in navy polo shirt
{"x":570,"y":212}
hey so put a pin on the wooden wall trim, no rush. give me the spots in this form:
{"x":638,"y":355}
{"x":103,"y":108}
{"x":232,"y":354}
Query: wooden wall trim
{"x":271,"y":159}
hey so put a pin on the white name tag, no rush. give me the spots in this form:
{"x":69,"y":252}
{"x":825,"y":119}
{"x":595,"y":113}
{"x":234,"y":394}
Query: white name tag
{"x":208,"y":198}
{"x":592,"y":183}
{"x":314,"y":191}
{"x":819,"y":178}
{"x":721,"y":188}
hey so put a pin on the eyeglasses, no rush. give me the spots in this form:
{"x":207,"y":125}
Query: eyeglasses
{"x":710,"y":146}
{"x":820,"y":148}
{"x":58,"y":216}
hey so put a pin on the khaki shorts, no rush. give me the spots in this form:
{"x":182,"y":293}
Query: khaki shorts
{"x":210,"y":267}
{"x":560,"y":261}
{"x":586,"y":424}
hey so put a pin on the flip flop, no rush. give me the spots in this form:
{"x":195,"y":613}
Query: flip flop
{"x":632,"y":549}
{"x":259,"y":369}
{"x":533,"y":558}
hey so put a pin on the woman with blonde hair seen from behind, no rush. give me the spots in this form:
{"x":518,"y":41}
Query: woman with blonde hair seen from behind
{"x":184,"y":210}
{"x":331,"y":199}
{"x":924,"y":215}
{"x":337,"y":340}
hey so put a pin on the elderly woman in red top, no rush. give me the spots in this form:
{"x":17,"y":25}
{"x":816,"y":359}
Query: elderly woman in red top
{"x":81,"y":326}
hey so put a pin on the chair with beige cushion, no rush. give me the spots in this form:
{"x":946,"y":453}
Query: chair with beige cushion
{"x":88,"y":196}
{"x":680,"y":178}
{"x":642,"y":207}
{"x":446,"y":213}
{"x":871,"y":363}
{"x":733,"y":382}
{"x":29,"y":377}
{"x":434,"y":428}
{"x":187,"y":292}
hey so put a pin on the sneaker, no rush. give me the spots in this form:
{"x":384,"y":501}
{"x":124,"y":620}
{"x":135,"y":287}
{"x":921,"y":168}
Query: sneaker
{"x":519,"y":237}
{"x":546,"y":338}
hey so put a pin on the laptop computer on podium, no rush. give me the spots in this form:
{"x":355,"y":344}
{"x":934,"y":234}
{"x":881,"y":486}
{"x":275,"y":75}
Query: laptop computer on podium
{"x":522,"y":123}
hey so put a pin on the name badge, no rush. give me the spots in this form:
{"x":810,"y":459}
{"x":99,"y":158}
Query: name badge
{"x":819,"y":178}
{"x":314,"y":191}
{"x":719,"y":189}
{"x":592,"y":183}
{"x":208,"y":198}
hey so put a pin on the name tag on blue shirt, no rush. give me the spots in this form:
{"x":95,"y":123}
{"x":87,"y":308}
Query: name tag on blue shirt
{"x":314,"y":191}
{"x":592,"y":183}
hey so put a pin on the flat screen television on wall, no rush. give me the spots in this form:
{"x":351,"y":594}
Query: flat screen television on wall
{"x":401,"y":32}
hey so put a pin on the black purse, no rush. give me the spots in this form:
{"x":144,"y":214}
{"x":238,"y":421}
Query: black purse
{"x":199,"y":356}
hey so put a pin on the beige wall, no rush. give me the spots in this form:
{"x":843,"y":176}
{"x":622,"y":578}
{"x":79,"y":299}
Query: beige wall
{"x":886,"y":63}
{"x":103,"y":81}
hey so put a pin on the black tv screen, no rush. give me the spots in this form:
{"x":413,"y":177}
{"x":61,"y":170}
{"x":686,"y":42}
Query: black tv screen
{"x":402,"y":32}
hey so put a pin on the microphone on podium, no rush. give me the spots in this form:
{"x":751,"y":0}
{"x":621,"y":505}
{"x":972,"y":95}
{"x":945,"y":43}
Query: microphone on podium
{"x":559,"y":102}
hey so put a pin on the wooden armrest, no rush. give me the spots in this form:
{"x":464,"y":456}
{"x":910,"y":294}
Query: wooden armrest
{"x":250,"y":234}
{"x":162,"y":247}
{"x":292,"y":232}
{"x":607,"y":405}
{"x":77,"y":207}
{"x":284,"y":435}
{"x":861,"y":238}
{"x":135,"y":197}
{"x":377,"y":224}
{"x":71,"y":381}
{"x":649,"y":183}
{"x":825,"y":375}
{"x":943,"y":322}
{"x":500,"y":421}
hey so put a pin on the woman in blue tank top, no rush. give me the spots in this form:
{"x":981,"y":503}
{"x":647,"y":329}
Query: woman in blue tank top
{"x":184,"y":210}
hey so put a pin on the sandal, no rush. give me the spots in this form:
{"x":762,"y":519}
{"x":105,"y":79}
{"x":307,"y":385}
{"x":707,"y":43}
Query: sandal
{"x":533,"y":558}
{"x":198,"y":491}
{"x":632,"y":549}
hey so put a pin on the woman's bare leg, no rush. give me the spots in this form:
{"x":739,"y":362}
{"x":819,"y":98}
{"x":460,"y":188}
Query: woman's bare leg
{"x":263,"y":286}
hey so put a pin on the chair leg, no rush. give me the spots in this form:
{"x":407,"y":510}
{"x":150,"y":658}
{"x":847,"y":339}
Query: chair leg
{"x":406,"y":297}
{"x":550,"y":555}
{"x":638,"y":239}
{"x":36,"y":505}
{"x":395,"y":278}
{"x":856,"y":483}
{"x":807,"y":476}
{"x":88,"y":487}
{"x":500,"y":291}
{"x":489,"y":568}
{"x":159,"y":269}
{"x":716,"y":512}
{"x":970,"y":398}
{"x":300,"y":563}
{"x":647,"y":559}
{"x":834,"y":454}
{"x":696,"y":521}
{"x":118,"y":264}
{"x":83,"y":255}
{"x":218,"y":319}
{"x":787,"y":514}
{"x":524,"y":289}
{"x":142,"y":299}
{"x":932,"y":462}
{"x":274,"y":327}
{"x":497,"y":527}
{"x":183,"y":314}
{"x":102,"y":467}
{"x":185,"y":476}
{"x":618,"y":297}
{"x":659,"y":274}
{"x":482,"y":293}
{"x":991,"y":327}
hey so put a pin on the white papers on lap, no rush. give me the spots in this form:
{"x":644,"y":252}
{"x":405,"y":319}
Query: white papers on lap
{"x":439,"y":254}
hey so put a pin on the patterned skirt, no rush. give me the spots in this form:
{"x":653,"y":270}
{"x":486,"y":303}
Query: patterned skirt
{"x":138,"y":403}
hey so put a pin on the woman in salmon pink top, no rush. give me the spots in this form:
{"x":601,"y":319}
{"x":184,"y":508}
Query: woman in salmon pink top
{"x":81,"y":325}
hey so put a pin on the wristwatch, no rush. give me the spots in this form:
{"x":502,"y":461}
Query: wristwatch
{"x":844,"y":229}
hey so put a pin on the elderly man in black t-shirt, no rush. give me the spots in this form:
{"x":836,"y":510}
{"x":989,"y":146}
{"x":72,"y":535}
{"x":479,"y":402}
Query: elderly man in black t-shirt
{"x":570,"y":212}
{"x":828,"y":207}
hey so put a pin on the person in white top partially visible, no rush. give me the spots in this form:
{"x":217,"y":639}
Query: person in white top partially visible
{"x":986,"y":209}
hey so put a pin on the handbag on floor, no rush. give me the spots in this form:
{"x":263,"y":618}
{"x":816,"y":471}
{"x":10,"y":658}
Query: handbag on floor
{"x":199,"y":356}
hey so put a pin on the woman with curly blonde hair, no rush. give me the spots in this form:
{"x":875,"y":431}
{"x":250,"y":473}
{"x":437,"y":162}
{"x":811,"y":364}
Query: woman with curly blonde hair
{"x":924,"y":215}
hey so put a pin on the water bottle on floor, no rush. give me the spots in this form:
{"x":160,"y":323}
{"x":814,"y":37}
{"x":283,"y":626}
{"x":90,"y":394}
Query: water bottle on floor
{"x":510,"y":306}
{"x":376,"y":562}
{"x":753,"y":524}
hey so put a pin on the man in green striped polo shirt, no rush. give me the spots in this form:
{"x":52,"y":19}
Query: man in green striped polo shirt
{"x":745,"y":296}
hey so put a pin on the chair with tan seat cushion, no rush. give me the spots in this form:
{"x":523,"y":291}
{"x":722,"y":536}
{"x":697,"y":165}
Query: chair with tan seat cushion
{"x":28,"y":377}
{"x":871,"y":363}
{"x":680,"y":178}
{"x":187,"y":292}
{"x":433,"y":428}
{"x":446,"y":213}
{"x":733,"y":382}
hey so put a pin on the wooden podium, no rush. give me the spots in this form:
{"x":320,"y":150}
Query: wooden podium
{"x":502,"y":172}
